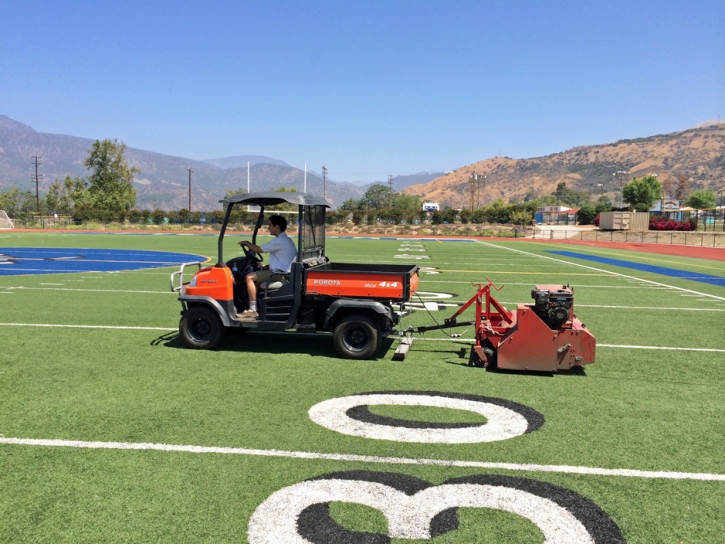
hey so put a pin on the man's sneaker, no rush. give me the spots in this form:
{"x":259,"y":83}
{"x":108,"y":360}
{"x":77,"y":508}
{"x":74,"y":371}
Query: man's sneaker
{"x":248,"y":315}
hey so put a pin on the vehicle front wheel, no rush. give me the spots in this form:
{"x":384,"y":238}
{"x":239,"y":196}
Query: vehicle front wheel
{"x":201,"y":328}
{"x":357,"y":337}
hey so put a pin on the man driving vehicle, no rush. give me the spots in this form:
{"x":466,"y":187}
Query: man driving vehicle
{"x":282,"y":253}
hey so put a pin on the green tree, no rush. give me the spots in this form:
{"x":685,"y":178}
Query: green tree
{"x":642,"y":193}
{"x":702,"y":200}
{"x":586,"y":215}
{"x":377,"y":197}
{"x":407,"y":204}
{"x":10,"y":201}
{"x":350,"y":205}
{"x":111,"y":180}
{"x":286,"y":207}
{"x":63,"y":197}
{"x":570,"y":197}
{"x":521,"y":217}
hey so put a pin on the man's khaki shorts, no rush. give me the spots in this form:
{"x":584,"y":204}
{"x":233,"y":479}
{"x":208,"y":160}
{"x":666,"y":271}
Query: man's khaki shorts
{"x":264,"y":275}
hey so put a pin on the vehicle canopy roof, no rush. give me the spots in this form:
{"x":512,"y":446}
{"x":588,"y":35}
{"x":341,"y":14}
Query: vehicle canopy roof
{"x":273,"y":198}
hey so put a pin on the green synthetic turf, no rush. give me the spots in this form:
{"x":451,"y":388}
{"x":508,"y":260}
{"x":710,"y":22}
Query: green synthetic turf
{"x":635,"y":408}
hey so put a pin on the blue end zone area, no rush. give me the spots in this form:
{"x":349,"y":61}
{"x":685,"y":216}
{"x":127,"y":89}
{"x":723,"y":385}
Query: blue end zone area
{"x":16,"y":261}
{"x":672,"y":272}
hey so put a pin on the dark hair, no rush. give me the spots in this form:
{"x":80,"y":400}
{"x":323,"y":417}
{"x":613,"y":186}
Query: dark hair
{"x":278,"y":221}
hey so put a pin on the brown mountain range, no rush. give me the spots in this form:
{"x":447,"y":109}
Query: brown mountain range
{"x":698,"y":153}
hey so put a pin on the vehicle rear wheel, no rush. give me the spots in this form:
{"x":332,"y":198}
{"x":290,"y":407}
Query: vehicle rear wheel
{"x":357,"y":337}
{"x":201,"y":328}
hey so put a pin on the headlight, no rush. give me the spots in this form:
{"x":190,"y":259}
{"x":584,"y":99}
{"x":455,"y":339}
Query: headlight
{"x":193,"y":282}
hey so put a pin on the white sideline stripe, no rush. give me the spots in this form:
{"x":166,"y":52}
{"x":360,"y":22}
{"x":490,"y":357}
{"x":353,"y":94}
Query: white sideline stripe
{"x":592,"y":471}
{"x":633,"y":278}
{"x":89,"y":290}
{"x":712,"y":350}
{"x":583,"y":286}
{"x":631,"y":307}
{"x":461,"y":340}
{"x":60,"y":325}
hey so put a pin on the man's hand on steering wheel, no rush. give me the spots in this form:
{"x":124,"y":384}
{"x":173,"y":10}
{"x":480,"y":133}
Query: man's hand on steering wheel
{"x":249,"y":253}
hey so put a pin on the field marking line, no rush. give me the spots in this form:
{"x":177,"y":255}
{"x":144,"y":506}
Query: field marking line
{"x":504,"y":272}
{"x":318,"y":335}
{"x":578,"y":286}
{"x":623,"y":346}
{"x":568,"y":469}
{"x":629,"y":307}
{"x":634,"y":278}
{"x":65,"y":326}
{"x":88,"y":290}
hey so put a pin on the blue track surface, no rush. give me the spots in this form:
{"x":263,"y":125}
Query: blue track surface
{"x":672,"y":272}
{"x":15,"y":261}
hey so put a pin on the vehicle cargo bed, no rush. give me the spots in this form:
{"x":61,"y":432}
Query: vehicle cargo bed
{"x":384,"y":281}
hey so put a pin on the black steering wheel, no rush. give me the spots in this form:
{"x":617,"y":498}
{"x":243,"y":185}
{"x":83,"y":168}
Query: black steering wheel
{"x":251,"y":255}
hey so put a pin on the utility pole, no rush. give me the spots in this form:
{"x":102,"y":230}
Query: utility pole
{"x":190,"y":171}
{"x":324,"y":182}
{"x":473,"y":179}
{"x":390,"y":182}
{"x":481,"y":181}
{"x":37,"y":180}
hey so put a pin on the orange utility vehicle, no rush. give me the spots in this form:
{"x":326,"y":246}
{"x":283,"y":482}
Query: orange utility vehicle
{"x":353,"y":301}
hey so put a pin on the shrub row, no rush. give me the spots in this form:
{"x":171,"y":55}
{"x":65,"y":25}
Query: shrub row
{"x":660,"y":223}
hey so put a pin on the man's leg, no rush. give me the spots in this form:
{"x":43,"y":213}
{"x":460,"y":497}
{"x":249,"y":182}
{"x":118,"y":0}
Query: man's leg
{"x":252,"y":290}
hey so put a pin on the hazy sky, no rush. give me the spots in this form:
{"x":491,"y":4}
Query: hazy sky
{"x":366,"y":88}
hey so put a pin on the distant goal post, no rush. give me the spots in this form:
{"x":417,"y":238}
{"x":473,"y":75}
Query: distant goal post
{"x":5,"y":221}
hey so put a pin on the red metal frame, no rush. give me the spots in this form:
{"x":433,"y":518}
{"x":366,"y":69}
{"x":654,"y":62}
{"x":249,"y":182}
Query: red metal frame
{"x":521,"y":340}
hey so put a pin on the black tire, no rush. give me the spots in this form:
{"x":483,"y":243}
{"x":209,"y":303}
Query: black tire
{"x":357,"y":337}
{"x":490,"y":354}
{"x":201,"y":328}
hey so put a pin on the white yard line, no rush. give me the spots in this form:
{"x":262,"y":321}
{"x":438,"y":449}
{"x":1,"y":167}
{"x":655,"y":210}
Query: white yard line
{"x":64,"y":326}
{"x":592,"y":471}
{"x":89,"y":290}
{"x":463,"y":340}
{"x":633,"y":278}
{"x":622,"y":346}
{"x":424,"y":280}
{"x":636,"y":307}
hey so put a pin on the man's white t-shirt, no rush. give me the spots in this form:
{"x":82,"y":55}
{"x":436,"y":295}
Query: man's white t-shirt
{"x":282,"y":252}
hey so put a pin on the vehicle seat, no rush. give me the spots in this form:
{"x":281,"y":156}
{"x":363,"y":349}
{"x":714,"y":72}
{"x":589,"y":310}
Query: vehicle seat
{"x":276,"y":281}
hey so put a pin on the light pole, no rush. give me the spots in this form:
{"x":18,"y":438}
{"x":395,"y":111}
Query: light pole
{"x":621,"y":175}
{"x":473,"y":178}
{"x":190,"y":171}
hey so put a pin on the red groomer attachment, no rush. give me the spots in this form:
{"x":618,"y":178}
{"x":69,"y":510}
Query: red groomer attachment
{"x":543,"y":336}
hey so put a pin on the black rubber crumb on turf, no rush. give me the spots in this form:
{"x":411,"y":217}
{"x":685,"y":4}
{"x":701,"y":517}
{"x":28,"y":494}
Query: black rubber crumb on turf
{"x":316,"y":525}
{"x":535,"y":419}
{"x":363,"y":413}
{"x":597,"y":522}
